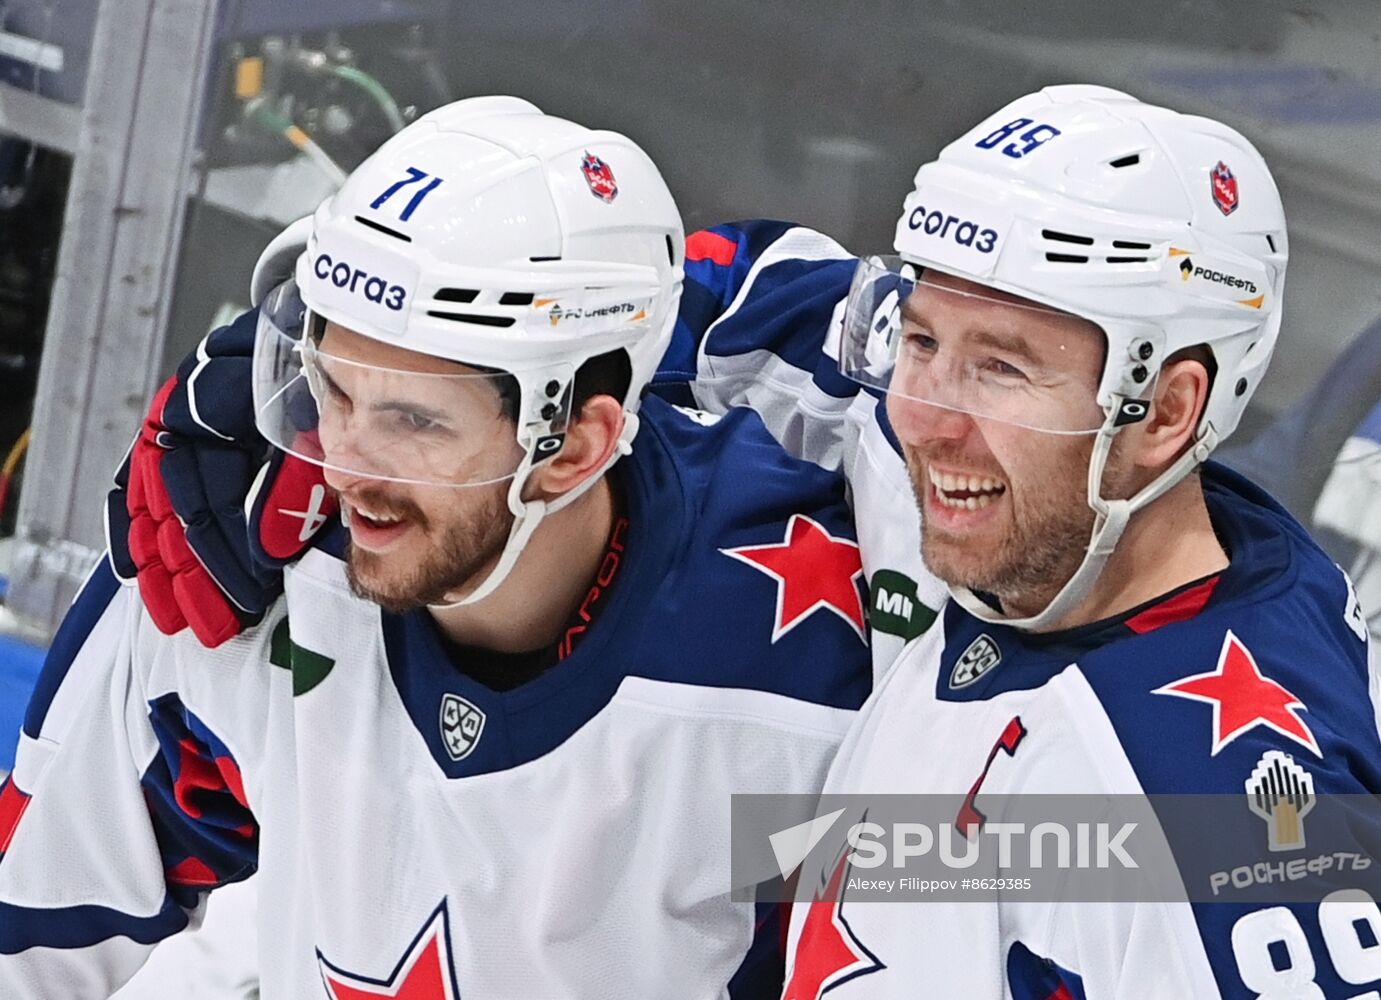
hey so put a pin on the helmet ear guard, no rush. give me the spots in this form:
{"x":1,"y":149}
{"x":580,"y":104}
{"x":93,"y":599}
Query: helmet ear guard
{"x":543,"y":413}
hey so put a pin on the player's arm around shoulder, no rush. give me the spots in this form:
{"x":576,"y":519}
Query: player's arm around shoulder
{"x":128,"y":800}
{"x":771,"y":581}
{"x":758,"y":327}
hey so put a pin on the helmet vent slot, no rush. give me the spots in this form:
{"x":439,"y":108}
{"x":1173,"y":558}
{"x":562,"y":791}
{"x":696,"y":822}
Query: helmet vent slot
{"x":1128,"y":260}
{"x":1050,"y":234}
{"x":1270,"y":242}
{"x":1130,"y":160}
{"x":544,"y":260}
{"x":472,"y":318}
{"x":516,"y":299}
{"x":383,"y":229}
{"x":457,"y":295}
{"x":1130,"y":245}
{"x":1066,"y":258}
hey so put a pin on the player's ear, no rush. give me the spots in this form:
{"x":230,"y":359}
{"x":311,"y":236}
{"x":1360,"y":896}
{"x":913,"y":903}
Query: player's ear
{"x":1176,"y":406}
{"x":591,"y":439}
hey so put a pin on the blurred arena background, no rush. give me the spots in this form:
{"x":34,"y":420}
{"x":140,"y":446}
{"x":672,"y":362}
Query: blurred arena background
{"x":150,"y":148}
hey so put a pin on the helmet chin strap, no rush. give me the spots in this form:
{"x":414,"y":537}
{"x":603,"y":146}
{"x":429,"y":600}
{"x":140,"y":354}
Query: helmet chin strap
{"x":1108,"y":525}
{"x":528,"y":514}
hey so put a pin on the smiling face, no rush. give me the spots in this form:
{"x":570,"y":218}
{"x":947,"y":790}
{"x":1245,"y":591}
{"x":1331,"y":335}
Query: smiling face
{"x":992,"y":398}
{"x":387,"y":414}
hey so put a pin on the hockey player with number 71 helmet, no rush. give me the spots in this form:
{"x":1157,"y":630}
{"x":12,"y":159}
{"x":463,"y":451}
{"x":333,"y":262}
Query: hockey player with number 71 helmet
{"x":484,"y":742}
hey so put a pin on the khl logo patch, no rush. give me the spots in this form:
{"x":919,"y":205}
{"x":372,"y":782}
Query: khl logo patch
{"x":461,"y":726}
{"x":981,"y":656}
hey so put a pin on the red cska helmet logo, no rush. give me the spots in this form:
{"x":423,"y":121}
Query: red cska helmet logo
{"x":1224,"y":188}
{"x":599,"y":177}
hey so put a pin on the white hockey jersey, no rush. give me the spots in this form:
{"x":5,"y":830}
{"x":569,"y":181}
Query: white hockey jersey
{"x":1190,"y":693}
{"x":418,"y":835}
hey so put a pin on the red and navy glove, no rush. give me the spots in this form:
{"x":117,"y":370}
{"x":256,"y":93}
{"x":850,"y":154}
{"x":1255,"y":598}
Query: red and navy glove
{"x":205,"y":513}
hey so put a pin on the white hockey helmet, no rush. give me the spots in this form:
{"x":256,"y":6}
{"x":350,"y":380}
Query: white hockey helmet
{"x":492,"y":235}
{"x":1164,"y":229}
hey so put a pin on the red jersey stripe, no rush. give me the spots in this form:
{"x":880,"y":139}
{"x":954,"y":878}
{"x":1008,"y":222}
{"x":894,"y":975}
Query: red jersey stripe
{"x":193,"y":871}
{"x":706,"y":245}
{"x":1181,"y":607}
{"x":13,"y":802}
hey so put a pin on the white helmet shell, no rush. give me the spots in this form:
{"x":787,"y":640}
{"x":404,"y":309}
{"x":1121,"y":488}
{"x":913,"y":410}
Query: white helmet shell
{"x":489,"y":233}
{"x":1165,"y":229}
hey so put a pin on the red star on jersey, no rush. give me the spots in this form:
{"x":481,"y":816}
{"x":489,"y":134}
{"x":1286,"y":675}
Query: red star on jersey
{"x":813,"y":569}
{"x":1242,"y":698}
{"x":423,"y":973}
{"x":827,"y":953}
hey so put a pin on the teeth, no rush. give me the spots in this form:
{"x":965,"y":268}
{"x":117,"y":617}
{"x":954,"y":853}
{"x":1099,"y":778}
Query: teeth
{"x":967,"y":503}
{"x":987,"y":488}
{"x":380,"y":518}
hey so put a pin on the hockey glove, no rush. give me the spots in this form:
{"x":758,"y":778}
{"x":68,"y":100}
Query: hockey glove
{"x":205,"y":513}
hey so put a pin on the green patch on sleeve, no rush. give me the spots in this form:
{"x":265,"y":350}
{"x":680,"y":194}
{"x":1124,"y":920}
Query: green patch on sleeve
{"x":308,"y":668}
{"x":895,"y":608}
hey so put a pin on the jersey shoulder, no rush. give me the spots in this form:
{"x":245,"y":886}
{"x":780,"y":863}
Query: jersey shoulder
{"x":759,"y":293}
{"x":1276,"y":660}
{"x":108,"y":633}
{"x":765,"y":588}
{"x":1262,"y":700}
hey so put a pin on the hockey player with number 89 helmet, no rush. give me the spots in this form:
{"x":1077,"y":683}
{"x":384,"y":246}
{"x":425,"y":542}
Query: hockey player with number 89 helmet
{"x":1162,"y":231}
{"x":1085,"y":293}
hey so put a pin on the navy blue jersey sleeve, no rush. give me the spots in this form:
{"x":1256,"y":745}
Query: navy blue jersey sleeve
{"x":758,"y":326}
{"x":120,"y":814}
{"x":1261,"y":706}
{"x":761,"y":974}
{"x":765,"y":548}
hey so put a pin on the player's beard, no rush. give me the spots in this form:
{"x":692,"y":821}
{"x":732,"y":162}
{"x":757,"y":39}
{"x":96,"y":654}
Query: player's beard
{"x":455,"y":548}
{"x":1048,"y":527}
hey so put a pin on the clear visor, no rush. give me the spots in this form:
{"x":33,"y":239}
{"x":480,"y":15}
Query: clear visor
{"x":353,"y":405}
{"x":931,"y":340}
